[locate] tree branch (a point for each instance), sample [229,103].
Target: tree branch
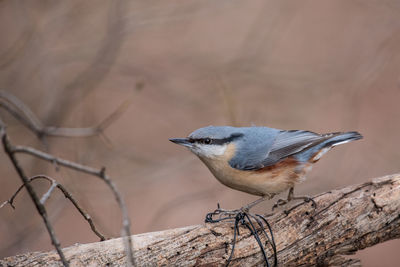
[345,221]
[101,173]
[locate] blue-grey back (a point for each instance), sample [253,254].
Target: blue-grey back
[255,144]
[265,147]
[259,147]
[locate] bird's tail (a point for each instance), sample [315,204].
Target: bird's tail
[340,138]
[331,140]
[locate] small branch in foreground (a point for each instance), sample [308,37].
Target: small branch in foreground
[40,208]
[55,184]
[96,172]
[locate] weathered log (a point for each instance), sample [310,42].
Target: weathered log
[345,221]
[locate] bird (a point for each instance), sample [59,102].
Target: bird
[261,161]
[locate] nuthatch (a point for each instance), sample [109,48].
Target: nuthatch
[260,160]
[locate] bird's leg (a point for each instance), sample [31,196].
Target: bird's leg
[254,203]
[291,197]
[304,198]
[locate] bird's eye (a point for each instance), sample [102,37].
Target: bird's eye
[207,141]
[191,140]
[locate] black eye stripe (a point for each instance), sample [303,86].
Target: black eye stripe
[215,141]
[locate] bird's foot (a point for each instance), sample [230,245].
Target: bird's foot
[283,202]
[308,199]
[222,214]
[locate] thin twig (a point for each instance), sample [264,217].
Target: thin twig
[11,199]
[40,208]
[67,195]
[55,160]
[126,222]
[48,193]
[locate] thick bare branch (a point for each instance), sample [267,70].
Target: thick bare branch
[345,221]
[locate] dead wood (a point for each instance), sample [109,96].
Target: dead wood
[345,221]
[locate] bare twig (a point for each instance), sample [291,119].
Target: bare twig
[61,162]
[48,193]
[55,184]
[126,223]
[40,208]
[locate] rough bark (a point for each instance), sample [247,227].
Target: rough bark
[345,221]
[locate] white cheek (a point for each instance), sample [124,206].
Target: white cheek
[209,151]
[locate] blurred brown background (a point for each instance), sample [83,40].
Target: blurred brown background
[315,65]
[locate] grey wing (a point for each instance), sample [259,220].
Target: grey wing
[285,144]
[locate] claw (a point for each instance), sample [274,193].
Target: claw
[278,203]
[222,215]
[310,199]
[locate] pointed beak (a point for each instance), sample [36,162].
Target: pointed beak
[181,141]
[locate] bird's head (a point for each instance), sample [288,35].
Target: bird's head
[211,141]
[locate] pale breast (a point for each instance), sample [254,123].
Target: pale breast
[269,180]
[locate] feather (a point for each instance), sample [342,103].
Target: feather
[287,143]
